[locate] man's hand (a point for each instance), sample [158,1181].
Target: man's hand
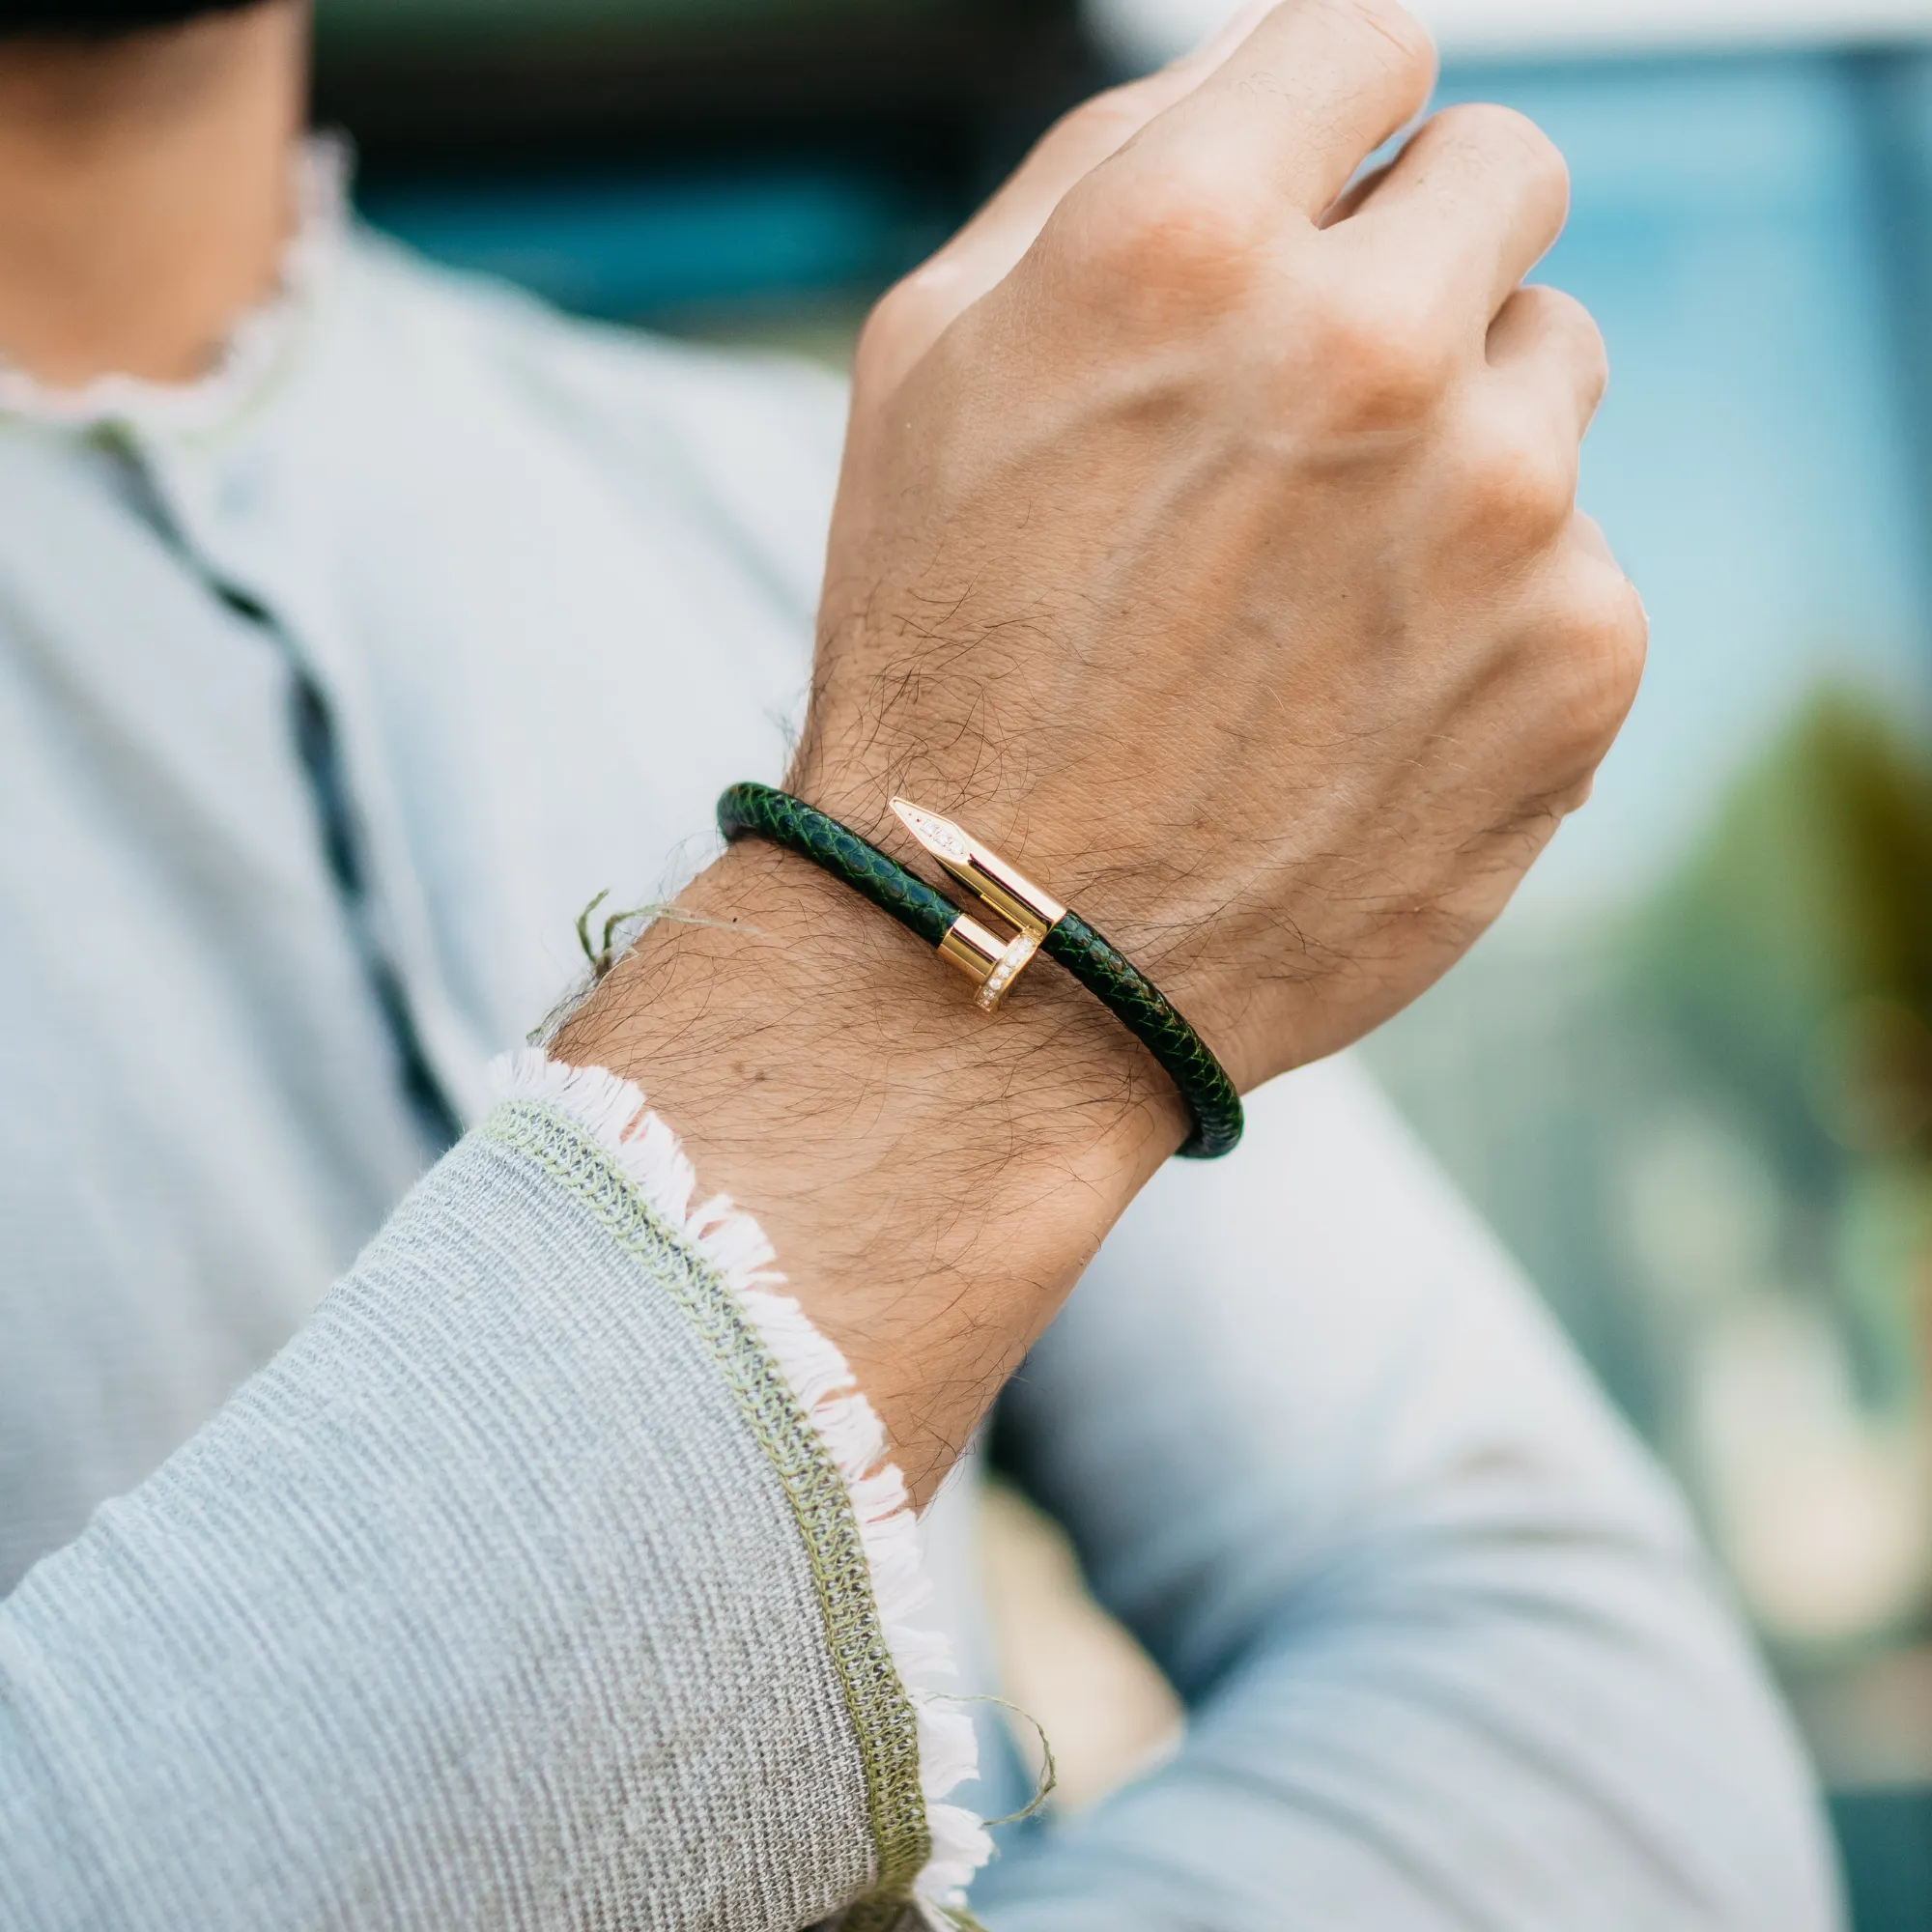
[1206,544]
[1220,563]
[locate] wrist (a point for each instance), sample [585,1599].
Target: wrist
[933,1178]
[1169,910]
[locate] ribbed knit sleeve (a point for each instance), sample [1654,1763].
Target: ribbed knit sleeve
[1451,1656]
[537,1582]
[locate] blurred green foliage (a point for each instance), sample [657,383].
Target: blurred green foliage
[1793,954]
[1790,961]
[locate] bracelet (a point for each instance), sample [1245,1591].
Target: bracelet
[1041,925]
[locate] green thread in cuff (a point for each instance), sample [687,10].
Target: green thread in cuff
[883,1719]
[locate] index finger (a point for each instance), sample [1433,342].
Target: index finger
[1313,91]
[984,250]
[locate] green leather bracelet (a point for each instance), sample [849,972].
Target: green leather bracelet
[1043,924]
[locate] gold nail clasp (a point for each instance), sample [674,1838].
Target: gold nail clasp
[991,963]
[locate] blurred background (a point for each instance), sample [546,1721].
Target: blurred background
[1689,1077]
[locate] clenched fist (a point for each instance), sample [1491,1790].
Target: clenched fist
[1207,539]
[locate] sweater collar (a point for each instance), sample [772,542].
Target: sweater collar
[256,347]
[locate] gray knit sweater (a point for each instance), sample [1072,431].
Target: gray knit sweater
[518,1590]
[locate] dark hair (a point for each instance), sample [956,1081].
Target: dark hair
[86,19]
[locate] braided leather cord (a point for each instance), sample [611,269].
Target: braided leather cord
[1106,972]
[1138,1003]
[799,828]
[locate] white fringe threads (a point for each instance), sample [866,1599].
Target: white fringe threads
[613,1111]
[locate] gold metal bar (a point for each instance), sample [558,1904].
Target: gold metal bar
[971,948]
[983,872]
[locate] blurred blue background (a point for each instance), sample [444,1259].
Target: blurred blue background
[1691,1074]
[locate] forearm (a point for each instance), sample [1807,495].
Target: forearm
[1058,601]
[934,1178]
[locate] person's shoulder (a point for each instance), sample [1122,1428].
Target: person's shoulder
[748,442]
[609,379]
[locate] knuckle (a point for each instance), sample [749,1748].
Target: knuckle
[1097,126]
[1551,343]
[1520,483]
[904,324]
[1383,364]
[1580,330]
[1109,116]
[1510,139]
[1174,229]
[1552,308]
[884,332]
[1626,640]
[1607,637]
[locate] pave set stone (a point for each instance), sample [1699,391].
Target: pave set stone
[1018,952]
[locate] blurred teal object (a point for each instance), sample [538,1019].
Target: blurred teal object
[619,245]
[1739,227]
[1886,1838]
